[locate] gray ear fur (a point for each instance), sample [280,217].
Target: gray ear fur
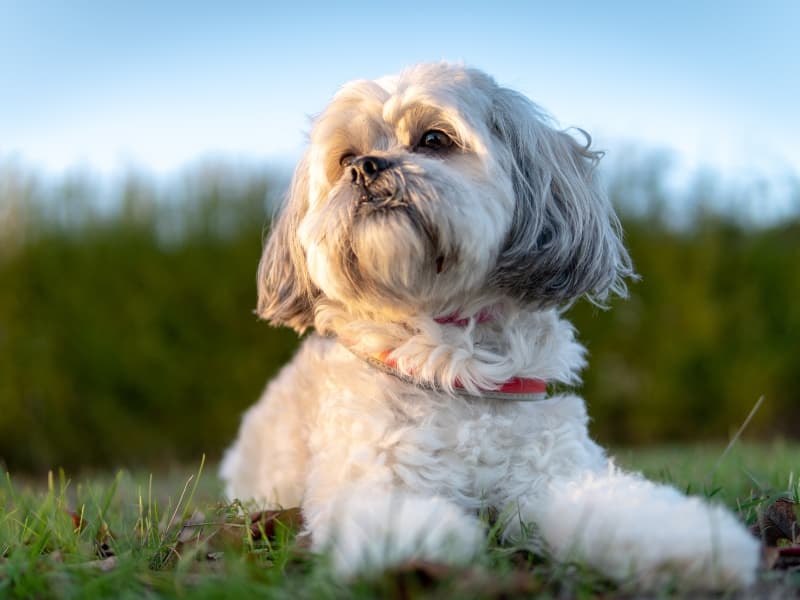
[285,293]
[565,239]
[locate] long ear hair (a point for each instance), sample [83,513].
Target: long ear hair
[565,240]
[285,293]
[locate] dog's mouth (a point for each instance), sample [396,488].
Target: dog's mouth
[368,205]
[377,198]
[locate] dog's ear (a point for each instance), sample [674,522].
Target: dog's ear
[286,294]
[565,239]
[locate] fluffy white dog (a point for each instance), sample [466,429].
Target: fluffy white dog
[435,227]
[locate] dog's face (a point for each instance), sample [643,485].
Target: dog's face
[425,192]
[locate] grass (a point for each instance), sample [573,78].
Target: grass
[171,536]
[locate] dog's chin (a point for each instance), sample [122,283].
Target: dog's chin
[394,253]
[385,263]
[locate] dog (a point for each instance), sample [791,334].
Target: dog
[434,232]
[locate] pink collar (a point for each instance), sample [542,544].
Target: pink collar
[483,316]
[518,389]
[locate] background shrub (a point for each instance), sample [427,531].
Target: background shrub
[127,334]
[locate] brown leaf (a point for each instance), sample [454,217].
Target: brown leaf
[265,522]
[78,522]
[788,558]
[782,559]
[777,524]
[103,539]
[408,578]
[426,572]
[210,539]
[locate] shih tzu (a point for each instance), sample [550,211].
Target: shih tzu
[434,231]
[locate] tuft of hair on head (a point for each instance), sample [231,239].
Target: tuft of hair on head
[565,240]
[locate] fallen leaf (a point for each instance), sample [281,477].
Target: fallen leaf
[777,524]
[264,523]
[78,522]
[424,571]
[407,579]
[103,539]
[788,558]
[209,539]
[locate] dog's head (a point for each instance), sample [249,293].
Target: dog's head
[427,191]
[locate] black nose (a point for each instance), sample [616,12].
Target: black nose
[365,169]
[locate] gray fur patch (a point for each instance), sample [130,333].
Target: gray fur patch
[565,240]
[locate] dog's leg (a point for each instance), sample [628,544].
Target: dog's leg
[634,530]
[362,516]
[367,530]
[564,493]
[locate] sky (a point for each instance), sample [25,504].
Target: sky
[107,85]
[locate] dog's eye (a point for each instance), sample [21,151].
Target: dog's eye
[435,140]
[347,159]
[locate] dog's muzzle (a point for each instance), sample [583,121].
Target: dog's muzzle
[364,171]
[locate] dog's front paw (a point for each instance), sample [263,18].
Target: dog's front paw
[651,535]
[371,533]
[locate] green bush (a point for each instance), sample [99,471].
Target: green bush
[129,337]
[127,334]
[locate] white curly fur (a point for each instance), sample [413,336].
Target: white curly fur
[508,222]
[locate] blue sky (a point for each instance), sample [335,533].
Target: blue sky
[111,84]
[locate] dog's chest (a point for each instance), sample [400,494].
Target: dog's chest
[372,426]
[468,449]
